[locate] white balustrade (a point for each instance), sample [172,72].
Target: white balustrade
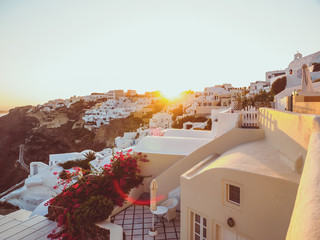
[250,117]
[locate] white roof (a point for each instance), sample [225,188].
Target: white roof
[65,156]
[187,133]
[170,145]
[259,158]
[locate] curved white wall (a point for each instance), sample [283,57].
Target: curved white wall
[305,220]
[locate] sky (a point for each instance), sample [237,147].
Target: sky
[58,49]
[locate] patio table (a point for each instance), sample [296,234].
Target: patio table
[160,212]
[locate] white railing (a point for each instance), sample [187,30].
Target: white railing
[250,117]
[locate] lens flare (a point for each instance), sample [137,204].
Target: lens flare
[134,200]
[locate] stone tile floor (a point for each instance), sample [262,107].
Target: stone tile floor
[136,221]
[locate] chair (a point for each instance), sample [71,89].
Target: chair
[171,204]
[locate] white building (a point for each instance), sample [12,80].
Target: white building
[161,120]
[215,91]
[294,75]
[271,76]
[115,94]
[128,140]
[294,72]
[256,87]
[103,113]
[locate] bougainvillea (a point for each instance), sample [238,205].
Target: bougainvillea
[93,197]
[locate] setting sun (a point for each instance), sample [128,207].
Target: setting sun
[171,94]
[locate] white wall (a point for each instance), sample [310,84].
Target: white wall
[227,121]
[305,220]
[36,167]
[61,157]
[264,212]
[289,133]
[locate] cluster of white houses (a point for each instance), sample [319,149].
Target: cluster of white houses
[110,95]
[103,113]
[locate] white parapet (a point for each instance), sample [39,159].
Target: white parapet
[305,219]
[116,231]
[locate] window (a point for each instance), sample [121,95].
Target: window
[35,169]
[233,194]
[199,226]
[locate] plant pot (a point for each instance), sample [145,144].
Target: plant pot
[153,232]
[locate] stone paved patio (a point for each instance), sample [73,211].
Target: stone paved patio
[137,220]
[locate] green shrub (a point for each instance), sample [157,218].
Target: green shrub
[96,209]
[179,123]
[84,164]
[177,112]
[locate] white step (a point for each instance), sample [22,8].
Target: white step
[20,215]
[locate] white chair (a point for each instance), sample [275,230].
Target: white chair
[171,204]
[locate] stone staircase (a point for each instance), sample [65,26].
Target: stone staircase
[19,225]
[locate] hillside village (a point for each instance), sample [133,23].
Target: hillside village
[242,166]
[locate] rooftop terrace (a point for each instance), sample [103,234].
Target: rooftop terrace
[137,220]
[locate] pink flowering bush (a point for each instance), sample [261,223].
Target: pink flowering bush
[94,196]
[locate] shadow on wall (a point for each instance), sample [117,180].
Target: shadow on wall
[289,133]
[266,120]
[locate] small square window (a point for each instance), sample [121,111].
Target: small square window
[233,194]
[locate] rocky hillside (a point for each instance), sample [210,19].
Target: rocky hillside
[42,134]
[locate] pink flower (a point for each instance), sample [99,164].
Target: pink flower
[55,173]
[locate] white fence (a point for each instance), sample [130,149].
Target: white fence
[250,117]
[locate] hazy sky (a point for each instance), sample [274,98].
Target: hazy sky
[57,49]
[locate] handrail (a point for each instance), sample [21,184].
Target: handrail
[12,188]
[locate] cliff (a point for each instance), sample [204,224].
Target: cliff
[59,131]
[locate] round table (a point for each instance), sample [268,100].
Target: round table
[160,212]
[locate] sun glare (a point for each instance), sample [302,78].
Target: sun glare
[171,95]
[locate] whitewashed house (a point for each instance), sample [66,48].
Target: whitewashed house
[161,120]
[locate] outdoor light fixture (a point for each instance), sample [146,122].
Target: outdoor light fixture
[230,222]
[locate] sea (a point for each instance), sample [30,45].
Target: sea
[2,114]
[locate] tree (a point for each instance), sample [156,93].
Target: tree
[279,85]
[262,99]
[177,112]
